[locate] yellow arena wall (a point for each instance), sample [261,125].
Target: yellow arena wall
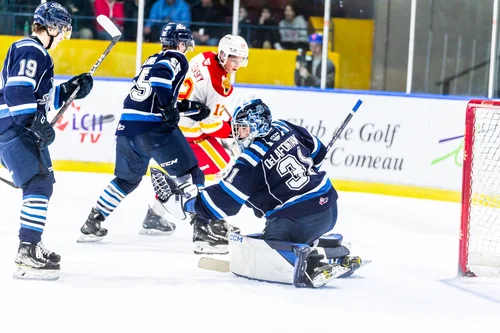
[270,67]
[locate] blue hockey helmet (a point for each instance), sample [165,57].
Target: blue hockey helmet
[173,34]
[251,120]
[53,15]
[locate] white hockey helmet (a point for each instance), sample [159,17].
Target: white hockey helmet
[233,45]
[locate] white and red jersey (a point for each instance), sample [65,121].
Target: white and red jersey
[207,82]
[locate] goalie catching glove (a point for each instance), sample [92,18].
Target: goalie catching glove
[174,194]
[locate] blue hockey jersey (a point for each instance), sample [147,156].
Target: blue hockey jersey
[157,84]
[277,175]
[26,84]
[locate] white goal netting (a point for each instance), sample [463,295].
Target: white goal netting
[483,234]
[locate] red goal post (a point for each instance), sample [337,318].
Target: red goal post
[479,249]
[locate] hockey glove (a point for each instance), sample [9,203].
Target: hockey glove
[187,105]
[170,116]
[84,81]
[42,130]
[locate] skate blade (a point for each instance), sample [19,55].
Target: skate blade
[24,273]
[89,239]
[206,248]
[350,272]
[322,279]
[155,232]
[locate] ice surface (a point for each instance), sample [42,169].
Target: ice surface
[136,283]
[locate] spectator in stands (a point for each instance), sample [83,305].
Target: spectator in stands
[293,30]
[208,12]
[244,31]
[113,9]
[266,36]
[82,28]
[130,27]
[308,69]
[164,11]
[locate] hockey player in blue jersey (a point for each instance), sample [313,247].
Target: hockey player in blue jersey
[148,129]
[278,176]
[26,95]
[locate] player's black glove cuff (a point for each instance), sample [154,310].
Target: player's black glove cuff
[84,81]
[41,127]
[187,105]
[170,116]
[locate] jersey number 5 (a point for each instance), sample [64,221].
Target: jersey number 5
[142,88]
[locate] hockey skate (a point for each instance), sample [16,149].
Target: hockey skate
[156,225]
[49,255]
[91,230]
[311,272]
[31,263]
[211,237]
[353,263]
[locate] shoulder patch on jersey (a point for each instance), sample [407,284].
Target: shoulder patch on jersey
[226,85]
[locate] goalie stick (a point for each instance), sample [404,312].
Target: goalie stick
[115,33]
[343,125]
[223,266]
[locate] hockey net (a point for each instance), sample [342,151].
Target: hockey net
[479,252]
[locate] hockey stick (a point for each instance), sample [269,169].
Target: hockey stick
[115,33]
[212,264]
[346,121]
[8,182]
[102,119]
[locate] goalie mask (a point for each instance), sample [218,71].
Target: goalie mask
[232,45]
[251,120]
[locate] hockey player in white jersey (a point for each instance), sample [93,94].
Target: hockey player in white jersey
[26,95]
[207,84]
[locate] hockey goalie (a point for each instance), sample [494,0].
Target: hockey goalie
[278,176]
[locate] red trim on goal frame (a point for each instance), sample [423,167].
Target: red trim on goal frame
[463,265]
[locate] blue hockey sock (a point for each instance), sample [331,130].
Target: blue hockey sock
[33,217]
[110,199]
